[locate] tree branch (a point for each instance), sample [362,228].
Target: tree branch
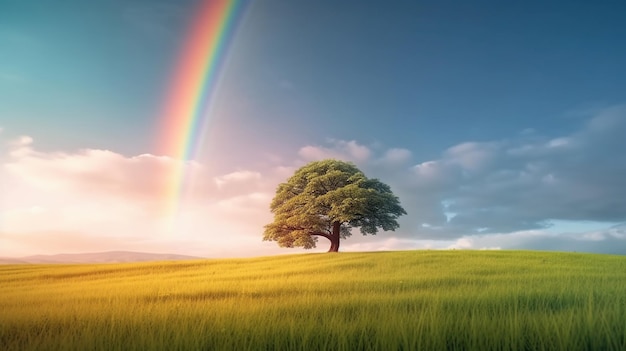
[327,236]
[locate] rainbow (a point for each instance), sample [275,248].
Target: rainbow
[188,104]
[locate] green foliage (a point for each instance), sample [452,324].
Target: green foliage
[412,300]
[326,192]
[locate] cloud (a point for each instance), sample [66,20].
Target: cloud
[492,194]
[396,155]
[237,178]
[522,183]
[338,149]
[517,192]
[92,173]
[115,202]
[472,156]
[611,240]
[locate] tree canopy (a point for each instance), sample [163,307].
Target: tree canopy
[328,198]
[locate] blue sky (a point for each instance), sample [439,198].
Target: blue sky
[497,124]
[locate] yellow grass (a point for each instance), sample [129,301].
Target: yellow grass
[429,300]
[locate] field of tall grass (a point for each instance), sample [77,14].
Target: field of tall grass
[411,300]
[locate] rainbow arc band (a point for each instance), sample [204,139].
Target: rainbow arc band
[187,110]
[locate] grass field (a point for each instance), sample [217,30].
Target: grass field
[411,300]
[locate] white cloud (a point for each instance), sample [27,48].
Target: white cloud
[91,173]
[239,176]
[313,153]
[104,197]
[431,173]
[471,156]
[479,195]
[559,142]
[397,155]
[519,184]
[339,149]
[608,240]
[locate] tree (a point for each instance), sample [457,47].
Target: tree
[328,198]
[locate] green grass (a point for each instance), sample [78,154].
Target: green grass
[412,300]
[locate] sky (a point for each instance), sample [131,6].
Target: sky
[499,125]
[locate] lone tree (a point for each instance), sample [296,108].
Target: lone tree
[328,198]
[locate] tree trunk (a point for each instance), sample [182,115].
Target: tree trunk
[335,236]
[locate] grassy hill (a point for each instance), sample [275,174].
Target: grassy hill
[411,300]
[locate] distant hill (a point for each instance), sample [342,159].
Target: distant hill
[98,257]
